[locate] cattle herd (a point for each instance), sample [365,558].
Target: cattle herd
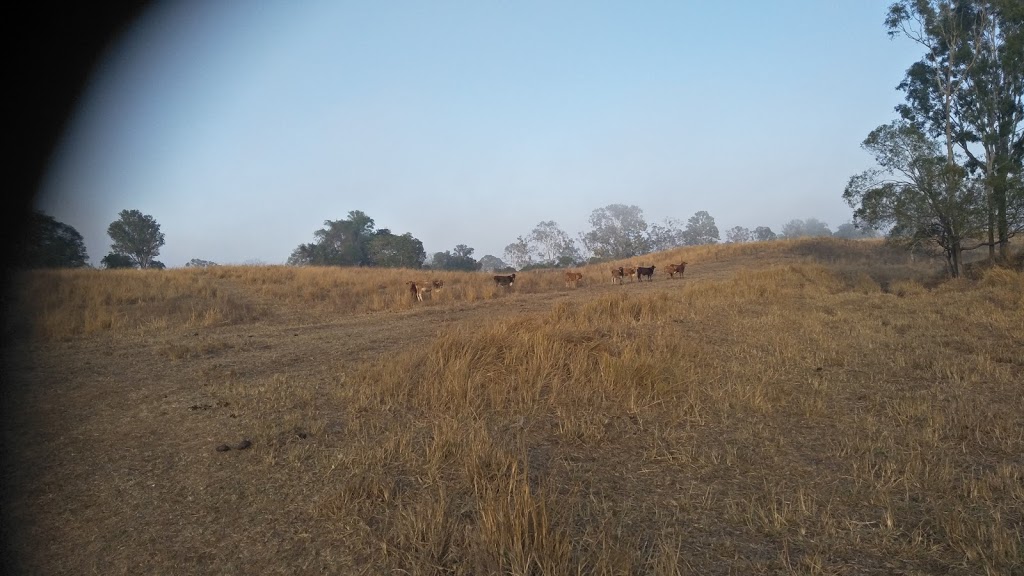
[422,290]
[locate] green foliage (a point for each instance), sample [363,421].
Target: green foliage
[460,259]
[113,261]
[917,193]
[136,236]
[354,242]
[968,91]
[51,244]
[701,229]
[618,231]
[199,263]
[390,251]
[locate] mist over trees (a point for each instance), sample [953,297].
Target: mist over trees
[764,234]
[950,169]
[849,231]
[701,229]
[491,263]
[355,242]
[617,231]
[738,234]
[666,236]
[48,243]
[136,238]
[546,246]
[797,228]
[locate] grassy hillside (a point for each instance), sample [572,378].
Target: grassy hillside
[814,407]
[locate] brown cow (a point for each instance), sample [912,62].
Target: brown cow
[617,274]
[674,269]
[505,280]
[642,271]
[437,284]
[629,271]
[420,291]
[572,279]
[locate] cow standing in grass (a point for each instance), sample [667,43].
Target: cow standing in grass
[572,279]
[642,271]
[629,271]
[501,280]
[674,269]
[420,291]
[617,274]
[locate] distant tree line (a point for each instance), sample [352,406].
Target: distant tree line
[618,231]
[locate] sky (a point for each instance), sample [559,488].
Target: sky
[242,126]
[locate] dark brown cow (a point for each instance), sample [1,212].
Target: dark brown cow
[642,271]
[505,280]
[617,274]
[674,269]
[572,279]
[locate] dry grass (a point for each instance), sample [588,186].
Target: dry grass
[800,410]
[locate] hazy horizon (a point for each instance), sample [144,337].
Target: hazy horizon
[241,130]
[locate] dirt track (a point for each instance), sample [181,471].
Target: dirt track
[116,433]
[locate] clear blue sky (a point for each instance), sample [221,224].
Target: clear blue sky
[241,126]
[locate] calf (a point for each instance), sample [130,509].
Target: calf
[505,280]
[629,271]
[674,269]
[572,278]
[642,271]
[617,274]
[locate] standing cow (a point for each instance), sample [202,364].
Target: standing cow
[674,269]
